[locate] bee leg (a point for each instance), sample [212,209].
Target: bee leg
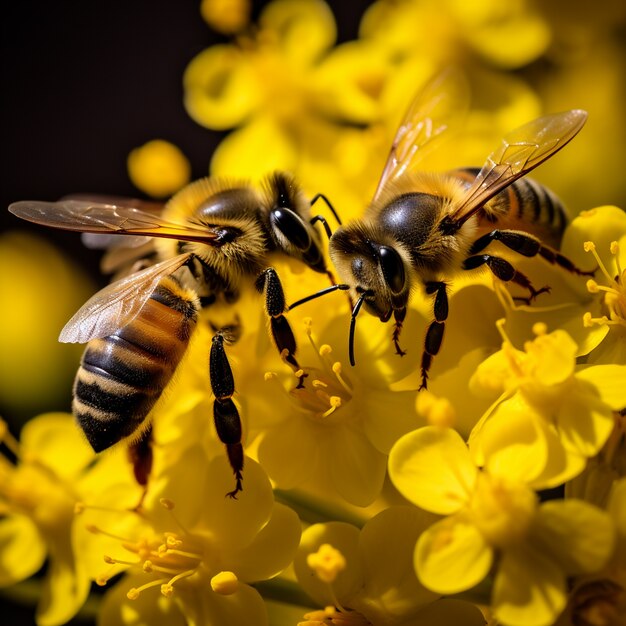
[225,413]
[321,196]
[269,284]
[527,245]
[399,315]
[434,334]
[506,272]
[140,455]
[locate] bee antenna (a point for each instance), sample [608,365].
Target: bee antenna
[321,292]
[355,312]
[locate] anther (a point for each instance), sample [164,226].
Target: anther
[327,562]
[225,583]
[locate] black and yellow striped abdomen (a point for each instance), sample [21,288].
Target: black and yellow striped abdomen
[122,376]
[524,205]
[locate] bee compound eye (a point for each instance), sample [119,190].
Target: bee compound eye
[291,227]
[393,268]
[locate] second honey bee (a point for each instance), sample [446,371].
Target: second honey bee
[425,227]
[210,240]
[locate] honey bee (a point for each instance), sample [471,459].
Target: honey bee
[210,240]
[425,227]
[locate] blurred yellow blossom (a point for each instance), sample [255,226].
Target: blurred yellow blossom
[226,16]
[158,168]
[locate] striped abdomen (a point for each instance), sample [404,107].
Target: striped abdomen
[122,376]
[524,205]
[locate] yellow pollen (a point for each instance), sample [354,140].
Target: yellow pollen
[614,248]
[327,562]
[588,320]
[338,371]
[269,376]
[540,328]
[335,403]
[172,542]
[308,325]
[167,590]
[147,567]
[299,373]
[589,246]
[325,350]
[133,592]
[225,583]
[319,383]
[592,286]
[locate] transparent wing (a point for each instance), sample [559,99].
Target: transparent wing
[520,152]
[438,106]
[110,219]
[117,304]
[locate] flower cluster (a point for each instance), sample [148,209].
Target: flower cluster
[498,495]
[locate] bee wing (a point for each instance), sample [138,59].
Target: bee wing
[439,105]
[110,219]
[520,152]
[118,303]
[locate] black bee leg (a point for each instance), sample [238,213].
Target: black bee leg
[527,245]
[398,315]
[434,334]
[225,413]
[506,272]
[269,284]
[321,196]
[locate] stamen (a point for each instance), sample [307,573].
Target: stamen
[319,383]
[188,555]
[111,561]
[589,246]
[615,252]
[95,530]
[169,505]
[335,403]
[133,592]
[338,371]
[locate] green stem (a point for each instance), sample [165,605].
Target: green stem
[314,510]
[285,591]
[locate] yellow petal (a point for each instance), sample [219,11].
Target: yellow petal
[253,151]
[452,556]
[271,551]
[529,588]
[578,535]
[512,442]
[306,28]
[22,550]
[387,544]
[220,88]
[234,523]
[432,468]
[609,381]
[56,441]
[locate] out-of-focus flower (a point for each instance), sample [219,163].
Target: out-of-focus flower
[494,520]
[367,576]
[35,273]
[38,495]
[158,168]
[226,16]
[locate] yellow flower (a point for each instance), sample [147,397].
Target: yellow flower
[199,552]
[334,433]
[38,495]
[551,397]
[373,580]
[494,521]
[158,168]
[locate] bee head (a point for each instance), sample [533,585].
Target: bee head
[375,269]
[290,229]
